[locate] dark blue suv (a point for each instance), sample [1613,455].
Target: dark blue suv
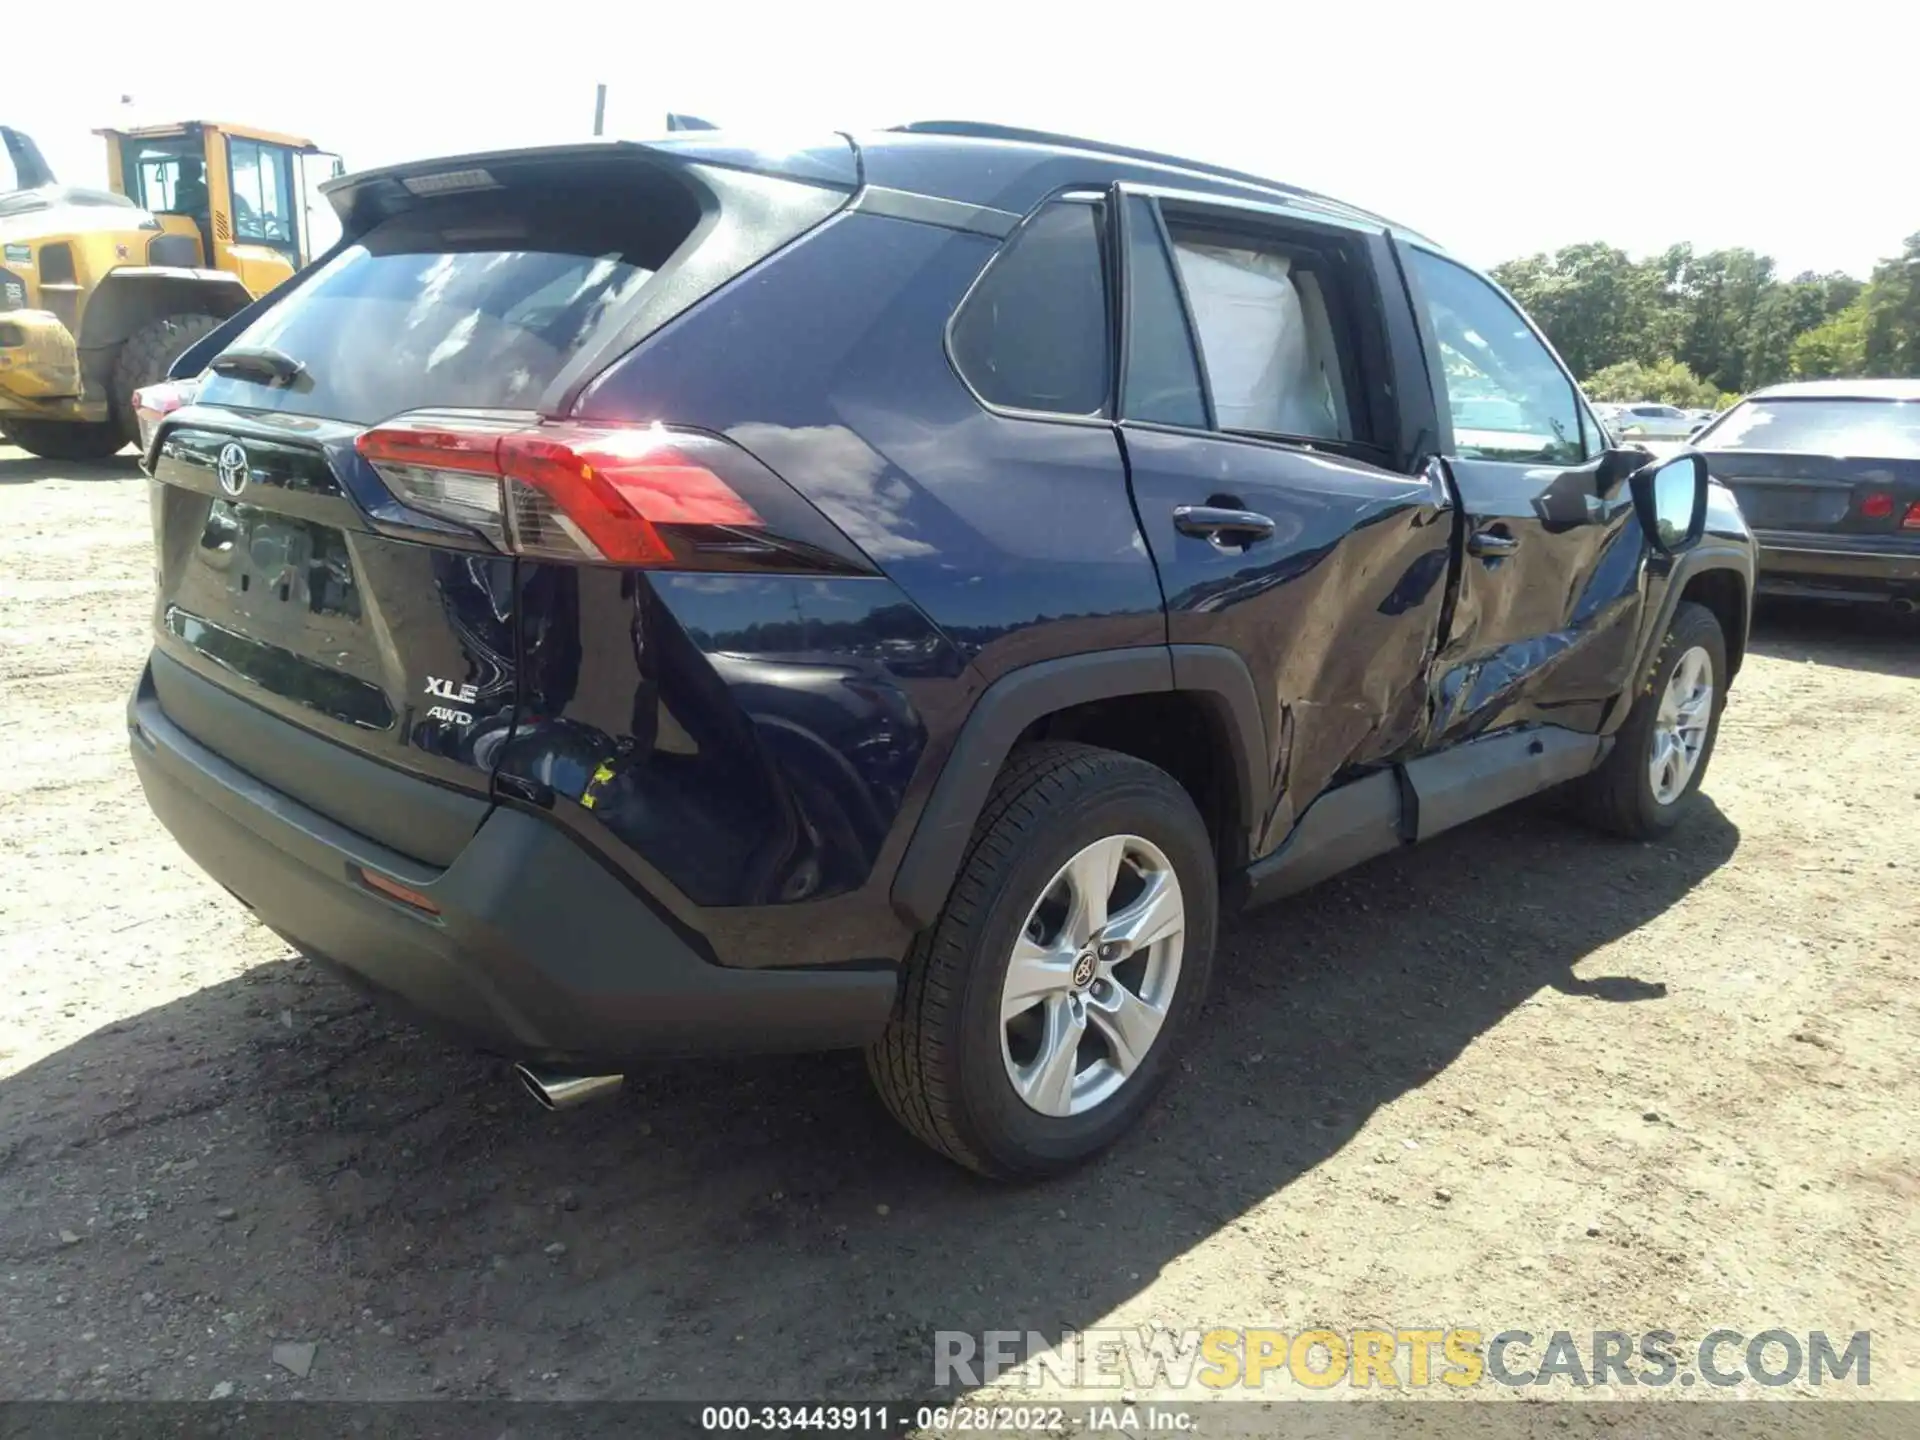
[890,592]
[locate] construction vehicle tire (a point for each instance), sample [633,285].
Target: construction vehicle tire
[146,357]
[64,439]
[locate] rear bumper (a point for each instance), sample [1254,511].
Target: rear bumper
[538,952]
[1820,565]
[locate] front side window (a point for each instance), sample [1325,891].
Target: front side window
[262,192]
[1598,440]
[166,175]
[1508,398]
[1033,333]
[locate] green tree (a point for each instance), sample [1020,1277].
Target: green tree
[1668,380]
[1891,339]
[1596,305]
[1833,349]
[1728,321]
[1720,296]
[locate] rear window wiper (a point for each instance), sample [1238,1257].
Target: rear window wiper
[262,363]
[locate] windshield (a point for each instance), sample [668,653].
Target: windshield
[1878,429]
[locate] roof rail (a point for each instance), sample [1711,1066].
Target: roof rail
[981,130]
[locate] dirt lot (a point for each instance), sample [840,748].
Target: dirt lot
[1524,1078]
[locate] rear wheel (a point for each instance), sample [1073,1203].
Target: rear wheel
[147,356]
[1041,1012]
[64,439]
[1660,754]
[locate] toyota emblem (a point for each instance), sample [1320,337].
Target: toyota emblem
[233,469]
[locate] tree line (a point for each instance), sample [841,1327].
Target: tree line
[1702,329]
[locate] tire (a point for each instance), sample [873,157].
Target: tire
[944,1065]
[65,439]
[146,357]
[1620,794]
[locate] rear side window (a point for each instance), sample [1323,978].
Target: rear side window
[1163,374]
[1033,333]
[1274,320]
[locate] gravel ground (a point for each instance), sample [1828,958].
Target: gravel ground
[1522,1078]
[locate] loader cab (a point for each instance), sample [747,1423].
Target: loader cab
[248,194]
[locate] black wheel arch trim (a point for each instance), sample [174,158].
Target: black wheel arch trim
[1687,567]
[1017,699]
[1220,678]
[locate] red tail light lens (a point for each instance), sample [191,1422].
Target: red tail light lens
[1877,506]
[153,403]
[608,489]
[1911,520]
[565,491]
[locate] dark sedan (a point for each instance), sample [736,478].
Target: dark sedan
[1828,475]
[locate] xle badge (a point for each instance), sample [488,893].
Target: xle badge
[447,690]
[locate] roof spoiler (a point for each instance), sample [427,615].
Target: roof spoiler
[366,194]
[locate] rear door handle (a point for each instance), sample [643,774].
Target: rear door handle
[1222,526]
[1491,542]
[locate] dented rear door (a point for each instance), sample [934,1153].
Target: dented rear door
[1332,594]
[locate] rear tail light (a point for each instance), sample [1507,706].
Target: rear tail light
[1877,506]
[629,495]
[153,403]
[1911,520]
[561,491]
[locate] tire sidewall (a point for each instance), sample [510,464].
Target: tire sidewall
[1018,1136]
[149,353]
[1692,627]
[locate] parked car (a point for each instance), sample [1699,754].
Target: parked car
[1828,474]
[689,597]
[1653,422]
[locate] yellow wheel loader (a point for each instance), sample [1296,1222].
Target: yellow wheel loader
[100,290]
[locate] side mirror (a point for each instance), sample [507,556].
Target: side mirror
[1671,498]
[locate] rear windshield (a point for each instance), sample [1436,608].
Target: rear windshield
[1876,429]
[476,301]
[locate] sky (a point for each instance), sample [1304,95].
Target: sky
[1497,128]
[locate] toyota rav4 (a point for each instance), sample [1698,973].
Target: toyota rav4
[894,592]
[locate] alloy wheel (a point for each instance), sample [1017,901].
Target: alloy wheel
[1092,976]
[1680,726]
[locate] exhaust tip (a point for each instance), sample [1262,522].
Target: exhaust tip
[557,1090]
[1904,606]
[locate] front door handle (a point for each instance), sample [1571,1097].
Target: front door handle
[1222,526]
[1491,542]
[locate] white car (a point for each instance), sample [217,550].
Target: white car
[1652,422]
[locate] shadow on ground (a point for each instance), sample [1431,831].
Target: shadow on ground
[273,1158]
[1826,632]
[19,468]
